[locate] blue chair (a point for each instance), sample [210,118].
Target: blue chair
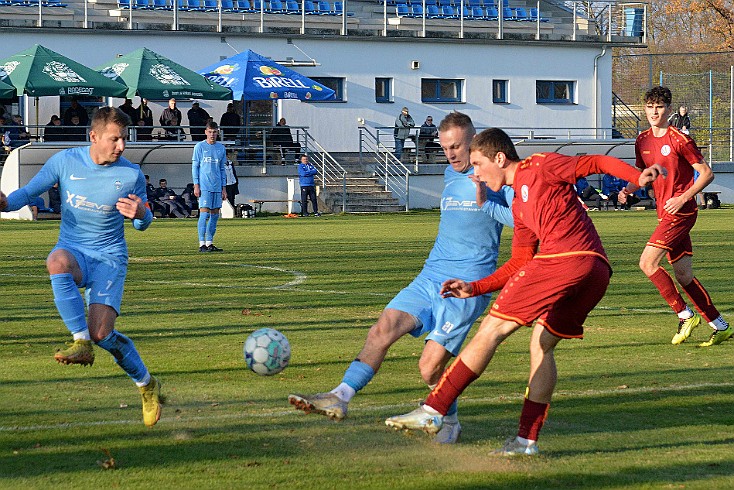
[123,4]
[325,7]
[310,8]
[508,13]
[492,14]
[401,10]
[211,5]
[162,5]
[276,7]
[195,6]
[475,3]
[54,3]
[143,5]
[416,11]
[521,14]
[339,9]
[244,6]
[477,13]
[228,6]
[432,12]
[292,7]
[449,12]
[442,3]
[258,4]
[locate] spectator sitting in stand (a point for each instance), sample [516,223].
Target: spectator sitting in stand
[173,132]
[76,110]
[189,198]
[76,130]
[588,194]
[681,120]
[19,136]
[174,204]
[53,130]
[426,136]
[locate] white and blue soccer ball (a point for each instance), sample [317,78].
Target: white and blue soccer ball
[267,351]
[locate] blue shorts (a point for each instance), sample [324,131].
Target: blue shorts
[447,321]
[103,276]
[210,200]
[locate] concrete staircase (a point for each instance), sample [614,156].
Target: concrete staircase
[365,193]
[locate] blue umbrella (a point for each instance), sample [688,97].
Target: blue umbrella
[254,77]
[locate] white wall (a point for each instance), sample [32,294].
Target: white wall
[360,60]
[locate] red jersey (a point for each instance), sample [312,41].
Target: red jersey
[546,209]
[677,153]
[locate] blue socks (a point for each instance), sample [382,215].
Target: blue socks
[211,227]
[358,374]
[202,224]
[69,302]
[125,354]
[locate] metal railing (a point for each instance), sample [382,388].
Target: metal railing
[624,119]
[388,168]
[331,174]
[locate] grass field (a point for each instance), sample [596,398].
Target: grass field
[630,411]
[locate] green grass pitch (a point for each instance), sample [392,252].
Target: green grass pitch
[630,409]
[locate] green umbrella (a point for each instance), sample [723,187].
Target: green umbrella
[38,71]
[150,75]
[6,91]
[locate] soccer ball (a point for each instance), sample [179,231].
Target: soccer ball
[267,351]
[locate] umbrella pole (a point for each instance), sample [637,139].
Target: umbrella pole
[37,136]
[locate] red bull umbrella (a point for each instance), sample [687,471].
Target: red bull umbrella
[254,77]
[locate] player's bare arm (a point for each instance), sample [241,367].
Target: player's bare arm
[456,288]
[197,190]
[224,194]
[481,190]
[131,206]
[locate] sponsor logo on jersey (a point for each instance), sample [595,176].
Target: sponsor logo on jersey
[80,202]
[74,177]
[118,185]
[449,203]
[665,150]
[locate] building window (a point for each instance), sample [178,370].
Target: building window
[499,91]
[383,90]
[549,92]
[441,90]
[334,83]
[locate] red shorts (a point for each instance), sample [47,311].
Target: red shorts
[673,234]
[558,292]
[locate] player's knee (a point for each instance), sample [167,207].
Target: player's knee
[430,372]
[684,278]
[59,262]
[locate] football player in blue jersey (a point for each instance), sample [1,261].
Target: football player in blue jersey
[210,184]
[99,189]
[467,245]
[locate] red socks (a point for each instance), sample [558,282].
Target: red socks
[532,419]
[701,300]
[662,280]
[455,380]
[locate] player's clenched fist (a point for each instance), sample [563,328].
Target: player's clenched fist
[131,206]
[650,174]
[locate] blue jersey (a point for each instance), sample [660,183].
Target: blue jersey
[207,166]
[468,238]
[89,219]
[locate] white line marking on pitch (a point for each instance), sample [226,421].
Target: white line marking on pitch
[368,409]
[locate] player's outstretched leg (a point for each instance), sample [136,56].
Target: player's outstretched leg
[321,403]
[451,429]
[719,335]
[151,394]
[422,418]
[70,305]
[334,404]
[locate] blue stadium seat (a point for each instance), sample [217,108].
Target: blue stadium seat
[475,3]
[441,3]
[211,5]
[339,9]
[258,4]
[492,13]
[416,11]
[432,12]
[195,6]
[508,13]
[401,10]
[521,14]
[54,3]
[244,6]
[325,8]
[477,13]
[276,7]
[292,7]
[310,8]
[449,12]
[162,5]
[228,6]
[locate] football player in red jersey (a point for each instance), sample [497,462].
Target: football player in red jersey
[675,197]
[557,273]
